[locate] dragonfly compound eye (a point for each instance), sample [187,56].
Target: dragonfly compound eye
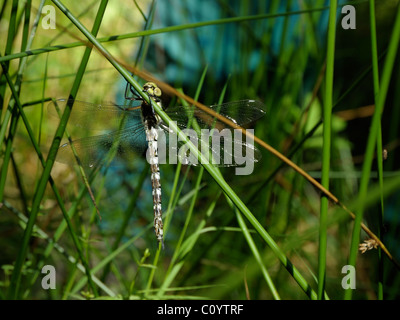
[157,92]
[152,89]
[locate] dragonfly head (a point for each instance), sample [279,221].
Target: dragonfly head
[152,89]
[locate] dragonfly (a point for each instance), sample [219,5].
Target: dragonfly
[127,132]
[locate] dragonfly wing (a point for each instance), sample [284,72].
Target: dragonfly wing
[240,112]
[95,117]
[225,152]
[106,149]
[221,150]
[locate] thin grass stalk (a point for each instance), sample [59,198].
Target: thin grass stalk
[261,69]
[372,138]
[12,104]
[103,263]
[141,263]
[25,31]
[60,249]
[45,75]
[124,73]
[58,232]
[257,255]
[144,42]
[127,216]
[43,99]
[178,253]
[167,88]
[326,147]
[241,206]
[375,74]
[8,57]
[338,216]
[16,276]
[197,188]
[35,144]
[175,195]
[191,240]
[106,261]
[20,185]
[12,109]
[170,274]
[9,141]
[394,124]
[2,10]
[15,279]
[63,29]
[171,205]
[12,27]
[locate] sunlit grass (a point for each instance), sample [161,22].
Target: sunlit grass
[269,235]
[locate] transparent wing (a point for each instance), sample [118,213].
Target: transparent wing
[125,137]
[240,112]
[96,117]
[230,151]
[106,149]
[221,150]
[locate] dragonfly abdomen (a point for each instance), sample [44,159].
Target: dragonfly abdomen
[151,137]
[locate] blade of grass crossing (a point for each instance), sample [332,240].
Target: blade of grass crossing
[127,216]
[59,231]
[326,147]
[27,11]
[12,105]
[242,207]
[175,194]
[11,111]
[7,51]
[52,241]
[16,276]
[197,187]
[196,153]
[375,73]
[372,138]
[15,104]
[29,227]
[158,31]
[256,255]
[175,266]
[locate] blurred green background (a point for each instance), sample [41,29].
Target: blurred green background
[277,54]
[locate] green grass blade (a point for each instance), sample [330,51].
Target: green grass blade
[379,152]
[257,256]
[214,172]
[372,138]
[16,276]
[326,147]
[12,26]
[8,57]
[43,235]
[127,216]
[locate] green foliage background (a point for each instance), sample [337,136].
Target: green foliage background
[269,248]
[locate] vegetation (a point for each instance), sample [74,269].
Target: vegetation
[328,179]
